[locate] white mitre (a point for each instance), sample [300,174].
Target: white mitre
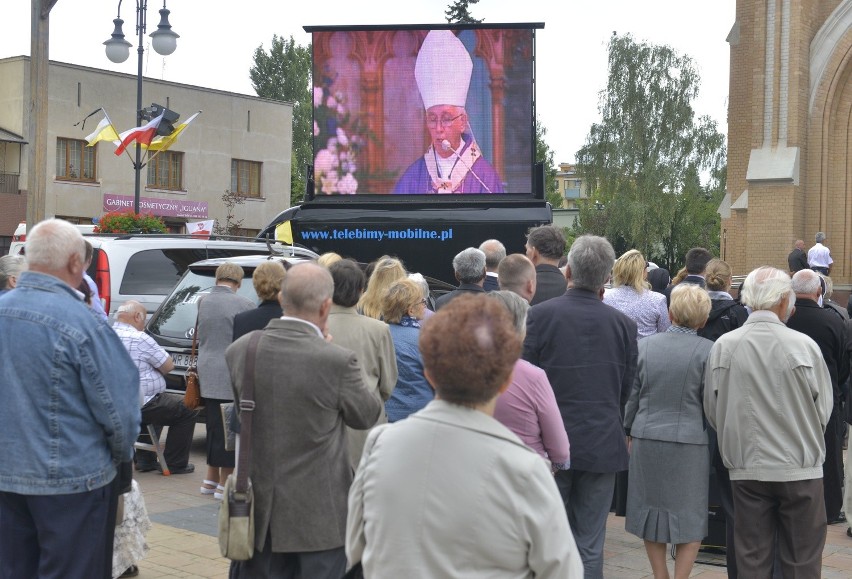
[443,70]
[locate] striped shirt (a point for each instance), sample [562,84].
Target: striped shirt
[148,355]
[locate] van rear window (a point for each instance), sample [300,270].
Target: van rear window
[156,271]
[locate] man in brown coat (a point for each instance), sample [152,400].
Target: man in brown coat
[306,391]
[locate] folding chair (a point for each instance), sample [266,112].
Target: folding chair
[154,446]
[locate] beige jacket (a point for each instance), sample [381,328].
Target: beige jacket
[767,392]
[451,492]
[371,341]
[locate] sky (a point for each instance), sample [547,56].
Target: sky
[218,38]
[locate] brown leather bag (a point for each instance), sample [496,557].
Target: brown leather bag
[192,396]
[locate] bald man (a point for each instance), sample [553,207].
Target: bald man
[159,407]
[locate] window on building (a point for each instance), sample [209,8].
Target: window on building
[165,171]
[74,160]
[566,184]
[245,178]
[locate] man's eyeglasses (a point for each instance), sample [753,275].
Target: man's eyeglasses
[446,120]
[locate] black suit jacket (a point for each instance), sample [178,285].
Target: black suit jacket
[797,260]
[589,351]
[827,329]
[256,319]
[549,283]
[491,284]
[464,288]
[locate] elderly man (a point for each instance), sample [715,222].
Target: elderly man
[819,256]
[797,260]
[589,353]
[11,267]
[158,407]
[469,267]
[828,330]
[545,246]
[494,252]
[308,391]
[517,274]
[369,338]
[70,415]
[454,162]
[768,395]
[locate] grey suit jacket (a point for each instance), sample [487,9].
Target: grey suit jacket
[371,341]
[667,400]
[306,390]
[215,331]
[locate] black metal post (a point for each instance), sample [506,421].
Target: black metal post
[141,10]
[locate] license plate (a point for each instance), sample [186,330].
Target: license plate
[183,360]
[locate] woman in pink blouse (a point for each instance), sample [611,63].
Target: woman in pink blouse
[528,407]
[631,295]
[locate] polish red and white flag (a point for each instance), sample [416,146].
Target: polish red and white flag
[143,135]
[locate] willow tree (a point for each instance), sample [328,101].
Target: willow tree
[656,173]
[284,74]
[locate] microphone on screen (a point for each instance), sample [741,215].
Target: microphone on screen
[445,144]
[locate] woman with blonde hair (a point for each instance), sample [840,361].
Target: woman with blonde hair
[664,419]
[388,270]
[404,309]
[726,313]
[631,296]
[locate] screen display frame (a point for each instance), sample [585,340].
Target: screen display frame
[383,127]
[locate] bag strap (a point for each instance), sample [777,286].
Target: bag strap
[194,340]
[246,412]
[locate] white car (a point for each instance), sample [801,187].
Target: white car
[20,236]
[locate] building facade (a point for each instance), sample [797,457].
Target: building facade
[239,143]
[571,186]
[789,132]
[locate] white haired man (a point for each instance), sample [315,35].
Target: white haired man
[768,395]
[469,267]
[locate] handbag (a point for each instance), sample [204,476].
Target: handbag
[236,513]
[192,396]
[230,424]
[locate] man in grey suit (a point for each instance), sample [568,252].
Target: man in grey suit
[369,338]
[307,391]
[588,350]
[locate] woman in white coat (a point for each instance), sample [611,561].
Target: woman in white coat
[451,492]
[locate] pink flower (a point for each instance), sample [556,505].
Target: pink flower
[317,96]
[348,185]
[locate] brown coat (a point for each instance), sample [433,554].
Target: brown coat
[306,390]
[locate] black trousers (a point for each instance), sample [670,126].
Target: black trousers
[330,564]
[58,536]
[167,409]
[832,469]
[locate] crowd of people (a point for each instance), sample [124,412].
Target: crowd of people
[486,433]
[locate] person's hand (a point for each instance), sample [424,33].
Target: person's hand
[327,335]
[629,444]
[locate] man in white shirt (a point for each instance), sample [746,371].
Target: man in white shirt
[819,256]
[158,407]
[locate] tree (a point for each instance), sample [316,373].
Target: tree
[232,225]
[544,154]
[457,13]
[656,173]
[284,74]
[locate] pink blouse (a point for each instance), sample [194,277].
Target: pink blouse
[528,408]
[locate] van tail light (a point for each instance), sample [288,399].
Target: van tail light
[102,279]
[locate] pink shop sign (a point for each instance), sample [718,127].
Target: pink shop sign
[159,207]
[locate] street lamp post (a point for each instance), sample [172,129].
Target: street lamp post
[164,41]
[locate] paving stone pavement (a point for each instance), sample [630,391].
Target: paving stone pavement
[183,539]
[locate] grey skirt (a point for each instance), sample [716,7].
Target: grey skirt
[667,491]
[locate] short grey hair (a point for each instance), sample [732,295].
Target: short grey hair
[469,265]
[304,289]
[517,307]
[421,281]
[11,266]
[591,259]
[52,243]
[765,287]
[805,282]
[820,237]
[494,252]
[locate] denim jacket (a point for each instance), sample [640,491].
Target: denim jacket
[69,392]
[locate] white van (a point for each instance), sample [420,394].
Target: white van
[20,236]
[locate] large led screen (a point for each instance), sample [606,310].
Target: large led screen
[414,111]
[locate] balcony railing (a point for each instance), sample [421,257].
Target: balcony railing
[572,193]
[9,183]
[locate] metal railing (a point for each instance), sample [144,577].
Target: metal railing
[9,183]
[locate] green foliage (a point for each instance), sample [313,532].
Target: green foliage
[656,173]
[458,13]
[284,74]
[544,154]
[232,226]
[129,222]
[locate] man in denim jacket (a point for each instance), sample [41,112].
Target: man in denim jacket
[69,406]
